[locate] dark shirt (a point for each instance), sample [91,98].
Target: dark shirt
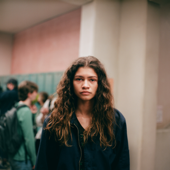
[52,155]
[8,100]
[81,139]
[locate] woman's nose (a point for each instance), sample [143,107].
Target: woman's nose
[85,84]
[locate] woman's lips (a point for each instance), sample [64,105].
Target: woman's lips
[85,92]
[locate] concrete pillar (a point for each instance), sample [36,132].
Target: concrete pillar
[6,42]
[151,87]
[124,35]
[137,78]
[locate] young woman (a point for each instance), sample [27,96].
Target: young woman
[84,131]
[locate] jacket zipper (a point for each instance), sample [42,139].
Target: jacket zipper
[79,145]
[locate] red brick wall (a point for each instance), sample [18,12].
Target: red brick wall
[47,47]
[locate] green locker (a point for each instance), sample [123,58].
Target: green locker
[46,81]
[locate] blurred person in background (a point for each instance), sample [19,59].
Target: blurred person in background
[47,107]
[9,97]
[7,101]
[1,89]
[42,97]
[84,131]
[34,107]
[25,158]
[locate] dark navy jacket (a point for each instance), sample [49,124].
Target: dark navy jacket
[53,156]
[8,100]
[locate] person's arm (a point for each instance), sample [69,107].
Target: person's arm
[41,162]
[45,112]
[27,130]
[38,120]
[41,116]
[52,103]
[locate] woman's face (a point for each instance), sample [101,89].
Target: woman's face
[85,83]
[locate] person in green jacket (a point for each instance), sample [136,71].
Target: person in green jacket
[25,158]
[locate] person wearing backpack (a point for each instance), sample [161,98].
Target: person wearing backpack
[25,157]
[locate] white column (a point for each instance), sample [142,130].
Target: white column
[87,31]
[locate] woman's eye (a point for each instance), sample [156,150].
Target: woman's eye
[78,79]
[92,80]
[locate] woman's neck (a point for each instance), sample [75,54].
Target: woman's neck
[84,108]
[84,113]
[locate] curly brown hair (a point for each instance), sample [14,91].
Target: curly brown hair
[103,118]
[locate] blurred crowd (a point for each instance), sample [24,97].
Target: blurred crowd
[39,107]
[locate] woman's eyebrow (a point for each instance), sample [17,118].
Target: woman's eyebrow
[78,76]
[88,77]
[93,77]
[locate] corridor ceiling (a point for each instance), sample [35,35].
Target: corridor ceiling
[18,15]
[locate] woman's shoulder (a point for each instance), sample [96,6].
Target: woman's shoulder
[46,120]
[120,125]
[120,119]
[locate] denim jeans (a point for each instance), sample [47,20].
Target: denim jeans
[20,165]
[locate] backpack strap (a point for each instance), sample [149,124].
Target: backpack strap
[20,106]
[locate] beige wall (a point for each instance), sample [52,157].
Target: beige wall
[6,42]
[135,85]
[150,87]
[137,78]
[162,149]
